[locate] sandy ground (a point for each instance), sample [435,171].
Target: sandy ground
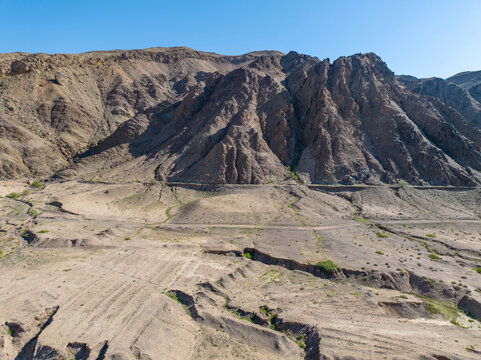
[149,271]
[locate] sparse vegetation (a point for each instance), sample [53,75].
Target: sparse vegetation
[379,252]
[478,269]
[127,238]
[430,235]
[271,275]
[471,348]
[43,231]
[445,308]
[434,257]
[431,308]
[381,235]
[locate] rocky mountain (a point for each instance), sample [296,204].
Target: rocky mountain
[184,115]
[469,80]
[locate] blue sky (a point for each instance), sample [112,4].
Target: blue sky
[422,38]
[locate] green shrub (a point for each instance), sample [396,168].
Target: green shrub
[379,252]
[32,212]
[327,266]
[301,344]
[381,235]
[248,255]
[127,238]
[36,184]
[478,269]
[13,195]
[25,234]
[431,235]
[174,297]
[43,231]
[291,174]
[434,257]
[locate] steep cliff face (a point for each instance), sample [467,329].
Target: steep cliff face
[182,115]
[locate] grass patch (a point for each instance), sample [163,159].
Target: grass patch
[361,220]
[430,235]
[167,213]
[127,238]
[43,231]
[327,266]
[431,308]
[434,257]
[379,252]
[478,269]
[381,235]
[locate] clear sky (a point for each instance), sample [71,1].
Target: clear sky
[422,38]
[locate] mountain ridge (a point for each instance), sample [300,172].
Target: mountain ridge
[183,115]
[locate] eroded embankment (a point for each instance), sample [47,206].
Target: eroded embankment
[264,323]
[404,281]
[34,349]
